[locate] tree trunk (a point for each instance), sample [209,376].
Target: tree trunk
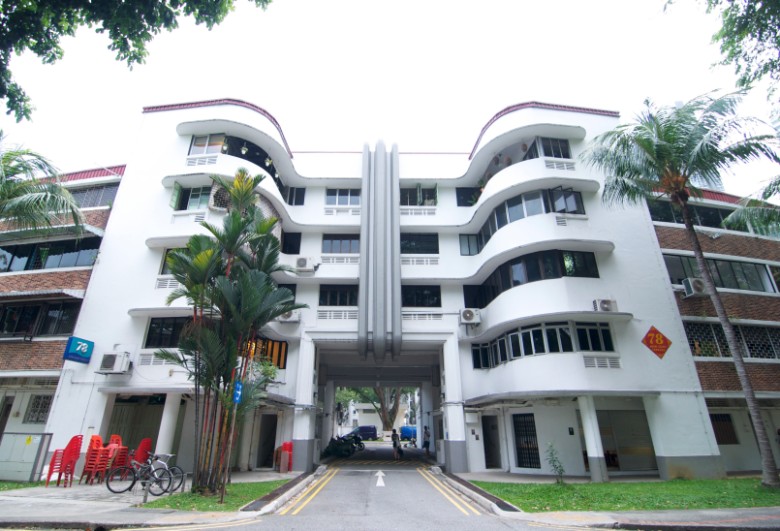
[769,477]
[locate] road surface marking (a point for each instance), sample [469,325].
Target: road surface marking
[314,490]
[429,478]
[379,481]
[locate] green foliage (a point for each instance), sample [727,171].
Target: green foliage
[14,485]
[636,496]
[37,26]
[236,496]
[749,38]
[554,460]
[233,298]
[26,200]
[385,400]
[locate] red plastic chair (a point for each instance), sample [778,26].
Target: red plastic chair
[115,439]
[92,466]
[63,462]
[144,449]
[120,458]
[55,466]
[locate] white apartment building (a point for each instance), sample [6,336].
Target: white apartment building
[494,281]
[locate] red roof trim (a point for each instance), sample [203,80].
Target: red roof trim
[109,171]
[538,105]
[223,101]
[720,196]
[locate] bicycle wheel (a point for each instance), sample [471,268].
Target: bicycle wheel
[159,481]
[177,477]
[121,479]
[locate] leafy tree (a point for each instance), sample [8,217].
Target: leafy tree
[749,38]
[386,401]
[232,298]
[27,201]
[130,25]
[762,217]
[669,152]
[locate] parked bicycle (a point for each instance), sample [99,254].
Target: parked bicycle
[177,473]
[124,478]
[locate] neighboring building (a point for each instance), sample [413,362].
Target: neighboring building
[494,281]
[43,279]
[746,271]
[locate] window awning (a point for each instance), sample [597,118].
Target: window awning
[58,230]
[43,294]
[161,311]
[175,241]
[188,180]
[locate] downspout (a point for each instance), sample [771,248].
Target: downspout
[365,256]
[380,243]
[394,301]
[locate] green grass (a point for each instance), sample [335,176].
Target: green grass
[236,496]
[12,485]
[639,496]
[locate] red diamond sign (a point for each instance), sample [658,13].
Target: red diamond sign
[657,342]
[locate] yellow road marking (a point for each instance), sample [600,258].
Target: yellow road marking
[425,473]
[311,492]
[186,527]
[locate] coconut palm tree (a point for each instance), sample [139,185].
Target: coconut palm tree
[26,201]
[762,217]
[671,151]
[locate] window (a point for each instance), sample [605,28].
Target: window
[338,295]
[725,273]
[529,204]
[190,198]
[421,296]
[543,338]
[165,269]
[294,196]
[206,144]
[341,243]
[38,409]
[55,318]
[292,287]
[291,242]
[530,268]
[594,337]
[419,196]
[705,216]
[95,196]
[557,148]
[466,196]
[723,427]
[342,196]
[709,340]
[49,255]
[469,244]
[526,443]
[164,332]
[419,243]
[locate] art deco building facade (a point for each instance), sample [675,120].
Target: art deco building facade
[525,311]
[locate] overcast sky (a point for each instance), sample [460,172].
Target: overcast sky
[425,74]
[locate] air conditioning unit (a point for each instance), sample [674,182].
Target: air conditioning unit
[470,316]
[114,363]
[694,287]
[293,316]
[304,265]
[604,305]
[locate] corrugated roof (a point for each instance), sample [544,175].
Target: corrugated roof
[720,196]
[110,171]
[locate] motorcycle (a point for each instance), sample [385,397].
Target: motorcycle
[356,440]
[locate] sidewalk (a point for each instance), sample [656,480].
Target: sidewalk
[94,507]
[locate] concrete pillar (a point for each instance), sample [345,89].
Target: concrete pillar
[168,424]
[590,430]
[455,456]
[244,449]
[304,415]
[329,406]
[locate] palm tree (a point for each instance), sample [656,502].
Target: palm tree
[670,151]
[225,275]
[762,217]
[26,201]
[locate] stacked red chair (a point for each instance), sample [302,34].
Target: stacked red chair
[63,462]
[143,450]
[115,439]
[91,462]
[120,458]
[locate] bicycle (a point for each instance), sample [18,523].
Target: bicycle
[177,473]
[124,478]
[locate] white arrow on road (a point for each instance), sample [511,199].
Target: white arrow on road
[379,481]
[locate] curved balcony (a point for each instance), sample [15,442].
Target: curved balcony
[525,236]
[560,299]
